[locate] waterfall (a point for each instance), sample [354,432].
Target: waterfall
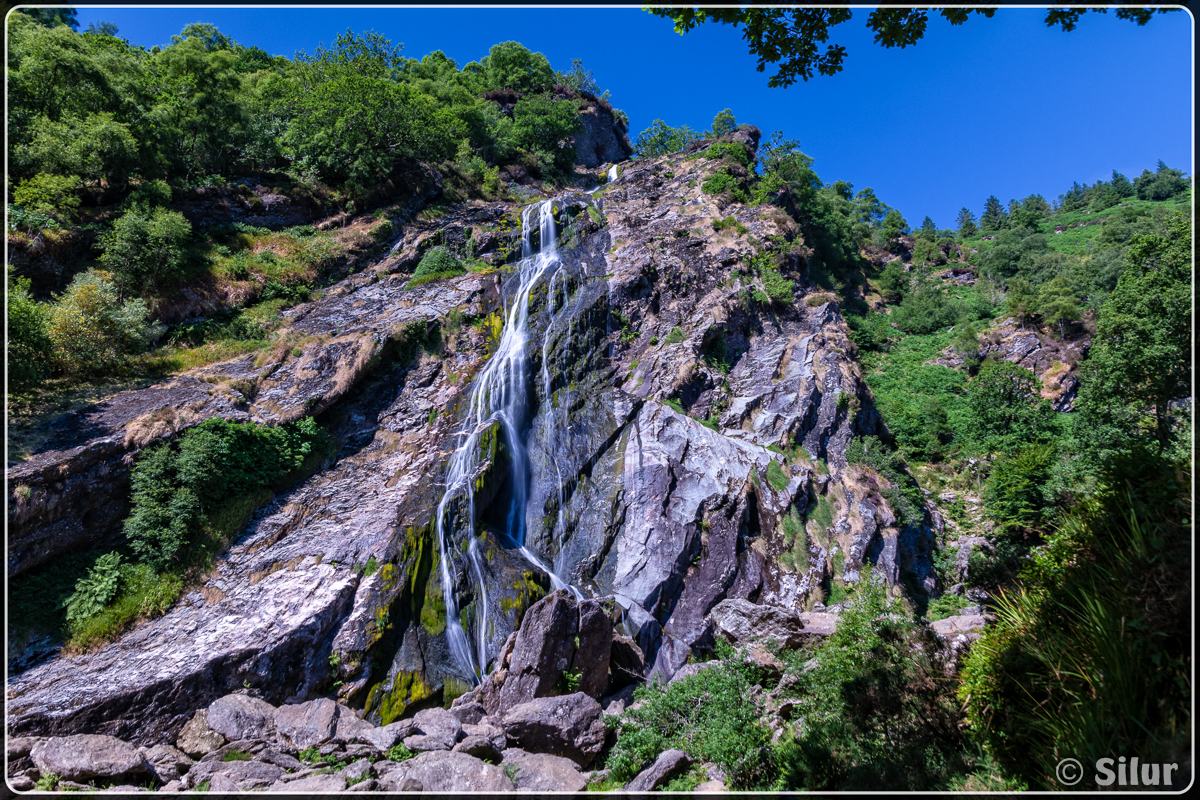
[498,396]
[613,173]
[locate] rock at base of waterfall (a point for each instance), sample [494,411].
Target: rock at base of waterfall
[668,764]
[567,726]
[445,771]
[306,724]
[240,716]
[197,738]
[84,757]
[542,772]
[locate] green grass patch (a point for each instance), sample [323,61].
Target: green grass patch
[675,336]
[775,477]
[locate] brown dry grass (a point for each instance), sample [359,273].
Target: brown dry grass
[160,422]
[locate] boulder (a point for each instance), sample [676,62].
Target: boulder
[244,774]
[350,727]
[444,771]
[488,731]
[420,743]
[618,701]
[591,659]
[84,757]
[668,764]
[469,713]
[222,784]
[482,747]
[386,737]
[567,726]
[542,772]
[313,784]
[197,738]
[240,716]
[438,724]
[688,670]
[959,624]
[306,724]
[543,650]
[269,755]
[739,621]
[369,785]
[167,762]
[358,771]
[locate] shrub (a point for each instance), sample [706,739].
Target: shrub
[1015,496]
[48,194]
[439,262]
[30,351]
[145,248]
[731,150]
[148,196]
[398,752]
[661,139]
[96,589]
[874,709]
[92,329]
[706,715]
[724,185]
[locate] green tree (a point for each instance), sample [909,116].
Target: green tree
[30,351]
[92,329]
[893,282]
[511,65]
[1057,303]
[994,217]
[792,37]
[1162,184]
[1020,299]
[1140,359]
[1121,185]
[52,17]
[724,123]
[581,79]
[661,139]
[966,223]
[146,248]
[547,127]
[1015,497]
[1007,410]
[893,226]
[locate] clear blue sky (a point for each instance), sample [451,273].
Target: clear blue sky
[1002,106]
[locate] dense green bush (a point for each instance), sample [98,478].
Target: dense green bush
[145,248]
[661,139]
[45,193]
[546,126]
[706,715]
[1006,408]
[175,485]
[92,329]
[30,351]
[1018,495]
[874,708]
[439,262]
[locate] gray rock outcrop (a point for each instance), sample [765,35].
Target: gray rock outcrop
[445,771]
[86,756]
[567,726]
[668,764]
[741,622]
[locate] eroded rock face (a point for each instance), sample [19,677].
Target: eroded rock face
[601,139]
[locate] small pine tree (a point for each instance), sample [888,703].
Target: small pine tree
[966,223]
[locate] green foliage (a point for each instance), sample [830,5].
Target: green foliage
[96,589]
[568,682]
[511,65]
[966,223]
[236,755]
[145,249]
[1007,410]
[674,337]
[661,139]
[398,752]
[874,709]
[1021,299]
[48,194]
[30,350]
[734,151]
[1139,361]
[143,594]
[1016,495]
[1090,655]
[47,782]
[92,330]
[546,127]
[927,308]
[1057,303]
[440,262]
[730,222]
[724,185]
[705,715]
[175,487]
[945,606]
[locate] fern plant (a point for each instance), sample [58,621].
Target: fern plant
[95,590]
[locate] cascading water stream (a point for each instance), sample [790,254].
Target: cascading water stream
[499,396]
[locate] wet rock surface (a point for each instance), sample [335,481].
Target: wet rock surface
[675,428]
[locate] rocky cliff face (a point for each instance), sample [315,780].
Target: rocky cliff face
[684,443]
